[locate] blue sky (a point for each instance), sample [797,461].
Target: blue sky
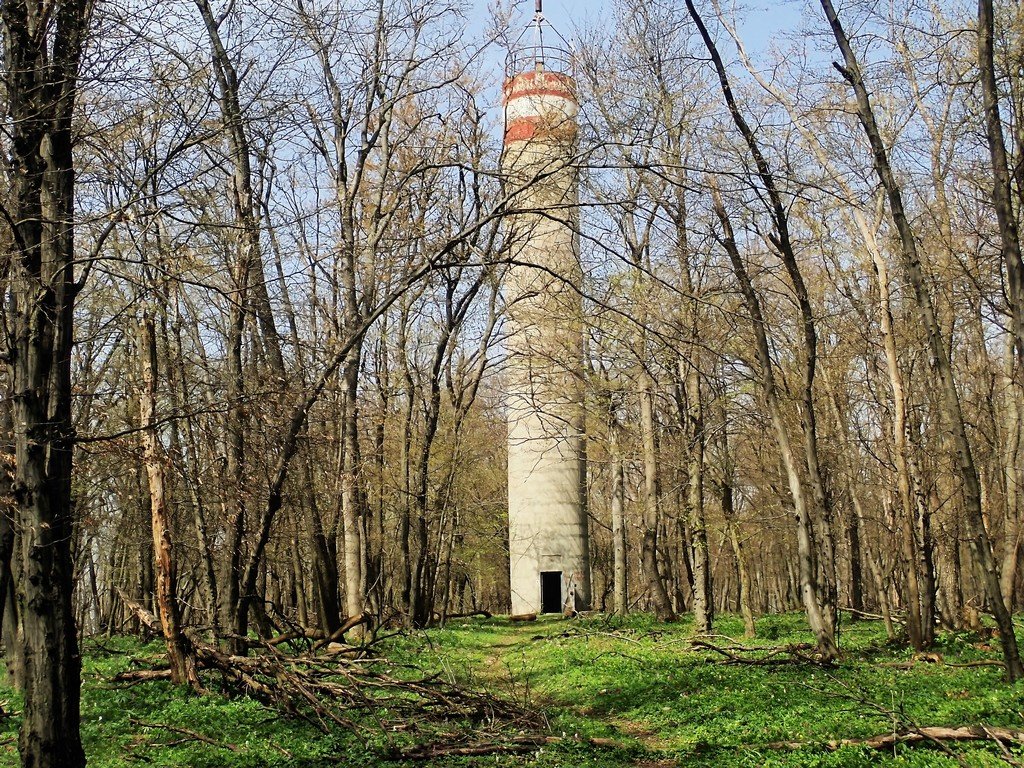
[763,23]
[764,20]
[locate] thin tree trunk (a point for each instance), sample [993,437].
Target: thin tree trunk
[782,243]
[1011,456]
[351,514]
[742,570]
[655,582]
[9,622]
[618,493]
[209,574]
[810,591]
[1001,180]
[179,649]
[298,580]
[229,581]
[703,595]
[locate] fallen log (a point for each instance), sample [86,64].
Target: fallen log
[915,736]
[469,615]
[523,617]
[303,633]
[147,617]
[936,659]
[350,623]
[134,676]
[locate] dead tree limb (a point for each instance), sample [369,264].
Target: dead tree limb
[916,736]
[327,691]
[194,735]
[796,653]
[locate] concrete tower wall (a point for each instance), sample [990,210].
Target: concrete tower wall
[546,462]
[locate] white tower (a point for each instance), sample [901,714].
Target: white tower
[548,540]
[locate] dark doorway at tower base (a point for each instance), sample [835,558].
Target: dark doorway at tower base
[551,592]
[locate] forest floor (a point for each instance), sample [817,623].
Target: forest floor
[614,694]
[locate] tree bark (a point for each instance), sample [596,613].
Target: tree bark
[1001,180]
[1011,471]
[703,595]
[42,60]
[351,512]
[655,582]
[618,493]
[732,528]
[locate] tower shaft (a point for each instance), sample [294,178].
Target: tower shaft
[548,541]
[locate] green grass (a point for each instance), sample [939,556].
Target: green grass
[634,682]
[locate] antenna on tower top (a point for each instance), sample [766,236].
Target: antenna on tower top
[539,47]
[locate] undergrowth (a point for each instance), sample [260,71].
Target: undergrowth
[635,686]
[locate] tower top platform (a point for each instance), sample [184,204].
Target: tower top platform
[539,48]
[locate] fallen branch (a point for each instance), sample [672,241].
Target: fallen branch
[326,690]
[302,633]
[936,658]
[894,615]
[194,735]
[136,676]
[470,615]
[147,617]
[795,653]
[915,736]
[350,623]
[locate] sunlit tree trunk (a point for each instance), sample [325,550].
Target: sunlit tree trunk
[655,581]
[179,648]
[810,590]
[618,494]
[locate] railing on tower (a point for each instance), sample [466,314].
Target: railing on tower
[539,58]
[540,48]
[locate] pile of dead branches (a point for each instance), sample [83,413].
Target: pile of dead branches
[330,688]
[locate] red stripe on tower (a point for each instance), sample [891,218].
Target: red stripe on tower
[538,83]
[540,105]
[529,128]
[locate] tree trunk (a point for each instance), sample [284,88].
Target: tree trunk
[655,582]
[618,493]
[742,571]
[179,649]
[703,595]
[41,69]
[810,592]
[9,620]
[1001,181]
[1011,460]
[351,514]
[780,240]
